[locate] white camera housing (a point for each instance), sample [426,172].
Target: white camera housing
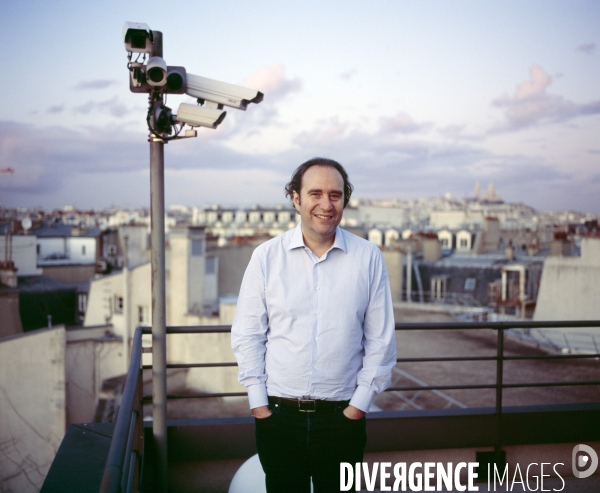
[156,71]
[199,116]
[221,92]
[138,37]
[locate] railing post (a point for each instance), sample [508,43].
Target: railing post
[499,383]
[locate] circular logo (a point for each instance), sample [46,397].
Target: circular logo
[584,464]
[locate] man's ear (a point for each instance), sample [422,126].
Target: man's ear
[296,198]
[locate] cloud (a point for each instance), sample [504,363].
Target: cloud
[96,167]
[276,86]
[42,157]
[532,105]
[401,123]
[272,82]
[111,106]
[86,85]
[348,74]
[56,109]
[587,48]
[326,134]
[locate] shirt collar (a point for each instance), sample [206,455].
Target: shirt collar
[297,240]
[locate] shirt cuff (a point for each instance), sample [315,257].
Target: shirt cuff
[257,395]
[362,398]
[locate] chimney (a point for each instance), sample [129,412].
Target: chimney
[509,251]
[187,247]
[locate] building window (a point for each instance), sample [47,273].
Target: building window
[197,248]
[444,242]
[470,284]
[143,318]
[210,265]
[438,288]
[118,304]
[463,243]
[112,249]
[81,302]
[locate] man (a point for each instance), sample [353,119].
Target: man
[313,335]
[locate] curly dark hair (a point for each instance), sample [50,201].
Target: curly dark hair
[295,183]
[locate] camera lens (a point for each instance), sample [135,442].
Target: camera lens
[138,39]
[155,74]
[174,81]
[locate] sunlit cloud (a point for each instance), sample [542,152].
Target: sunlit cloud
[401,123]
[276,86]
[272,82]
[531,104]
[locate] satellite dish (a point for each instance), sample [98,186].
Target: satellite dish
[26,223]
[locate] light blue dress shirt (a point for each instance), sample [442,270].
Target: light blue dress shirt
[315,328]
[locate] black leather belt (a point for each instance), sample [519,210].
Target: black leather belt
[309,405]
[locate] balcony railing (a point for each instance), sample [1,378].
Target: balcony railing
[123,466]
[122,472]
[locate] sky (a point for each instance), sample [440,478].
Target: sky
[416,98]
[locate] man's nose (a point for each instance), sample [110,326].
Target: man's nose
[325,203]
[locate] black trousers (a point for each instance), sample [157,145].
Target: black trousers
[294,446]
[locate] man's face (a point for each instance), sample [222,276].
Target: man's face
[320,202]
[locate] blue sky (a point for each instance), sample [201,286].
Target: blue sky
[415,98]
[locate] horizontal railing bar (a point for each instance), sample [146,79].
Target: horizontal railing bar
[493,358]
[405,360]
[447,358]
[148,398]
[192,329]
[554,356]
[193,365]
[525,324]
[440,387]
[550,384]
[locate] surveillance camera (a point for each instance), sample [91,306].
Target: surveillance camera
[161,119]
[199,116]
[139,80]
[176,80]
[138,37]
[221,92]
[156,71]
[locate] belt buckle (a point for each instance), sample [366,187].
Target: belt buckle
[307,405]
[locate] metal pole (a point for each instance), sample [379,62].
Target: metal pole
[159,333]
[409,275]
[499,383]
[126,303]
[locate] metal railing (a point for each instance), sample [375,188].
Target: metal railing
[122,472]
[123,465]
[500,327]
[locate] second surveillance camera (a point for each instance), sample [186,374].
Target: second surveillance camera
[138,37]
[221,92]
[199,116]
